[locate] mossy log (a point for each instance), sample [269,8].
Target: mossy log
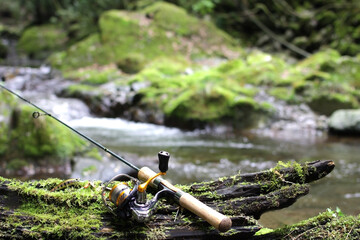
[29,210]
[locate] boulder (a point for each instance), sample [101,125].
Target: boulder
[345,121]
[39,42]
[133,39]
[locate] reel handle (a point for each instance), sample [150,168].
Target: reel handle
[185,200]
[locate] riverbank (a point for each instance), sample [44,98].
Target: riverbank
[191,74]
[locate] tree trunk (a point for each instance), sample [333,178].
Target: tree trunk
[30,210]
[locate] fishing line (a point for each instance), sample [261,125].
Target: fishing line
[133,202]
[45,113]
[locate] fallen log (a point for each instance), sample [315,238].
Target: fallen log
[29,210]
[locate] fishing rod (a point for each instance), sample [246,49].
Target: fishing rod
[132,202]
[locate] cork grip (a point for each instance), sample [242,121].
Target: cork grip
[216,219]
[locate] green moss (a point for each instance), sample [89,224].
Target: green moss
[72,213]
[300,170]
[133,39]
[328,103]
[94,75]
[328,225]
[172,18]
[132,63]
[79,89]
[84,53]
[39,41]
[37,138]
[205,95]
[71,196]
[283,93]
[168,66]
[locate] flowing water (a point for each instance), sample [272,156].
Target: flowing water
[205,155]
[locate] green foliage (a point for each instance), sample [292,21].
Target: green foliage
[309,25]
[336,213]
[204,7]
[16,164]
[37,138]
[77,18]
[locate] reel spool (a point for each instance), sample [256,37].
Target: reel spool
[127,202]
[119,195]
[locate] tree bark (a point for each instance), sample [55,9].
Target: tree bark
[30,210]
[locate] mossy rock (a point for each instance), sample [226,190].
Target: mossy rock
[326,104]
[134,39]
[88,93]
[209,96]
[169,17]
[93,96]
[132,63]
[39,41]
[345,121]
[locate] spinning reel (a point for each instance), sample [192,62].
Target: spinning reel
[127,202]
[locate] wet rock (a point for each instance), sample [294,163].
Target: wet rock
[326,104]
[345,121]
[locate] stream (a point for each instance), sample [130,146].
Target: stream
[203,154]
